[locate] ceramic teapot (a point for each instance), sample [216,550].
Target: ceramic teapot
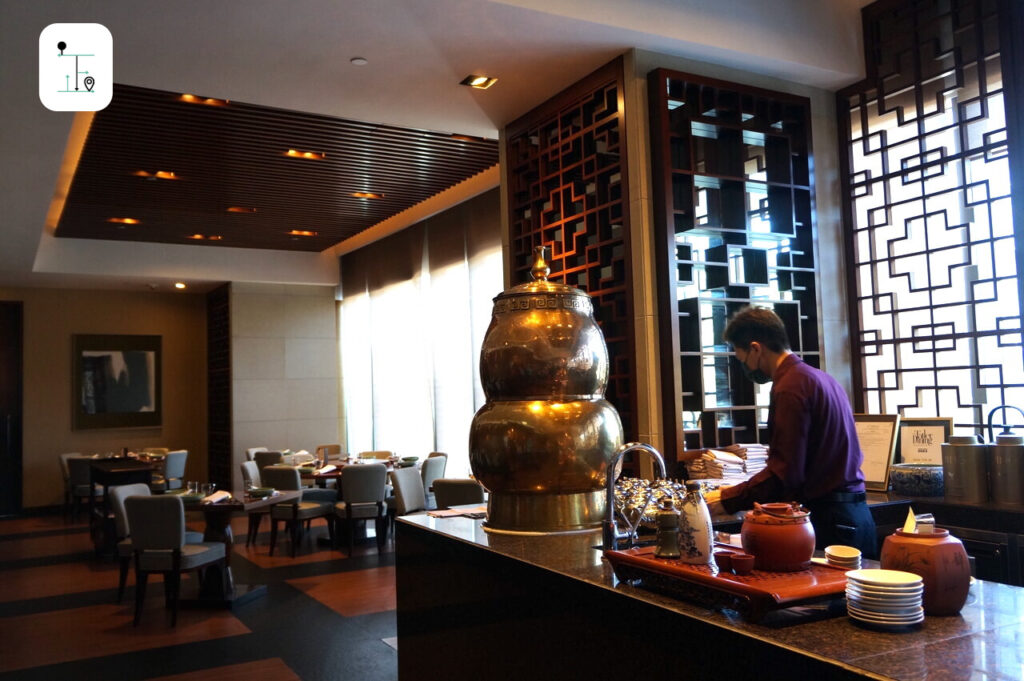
[780,536]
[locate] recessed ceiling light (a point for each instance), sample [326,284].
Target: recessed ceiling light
[124,221]
[359,61]
[367,195]
[158,175]
[295,153]
[241,209]
[179,284]
[208,101]
[302,232]
[203,237]
[479,82]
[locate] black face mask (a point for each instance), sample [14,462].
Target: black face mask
[755,375]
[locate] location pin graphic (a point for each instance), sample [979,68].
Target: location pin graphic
[89,82]
[60,46]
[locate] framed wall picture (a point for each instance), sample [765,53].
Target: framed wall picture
[920,440]
[877,434]
[115,381]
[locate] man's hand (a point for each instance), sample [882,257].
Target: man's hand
[714,501]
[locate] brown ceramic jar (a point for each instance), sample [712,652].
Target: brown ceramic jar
[940,559]
[780,536]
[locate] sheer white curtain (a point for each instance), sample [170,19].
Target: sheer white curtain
[413,318]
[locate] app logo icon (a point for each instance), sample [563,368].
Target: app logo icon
[76,67]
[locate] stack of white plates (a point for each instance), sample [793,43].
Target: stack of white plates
[843,556]
[884,598]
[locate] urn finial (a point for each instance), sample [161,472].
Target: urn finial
[540,270]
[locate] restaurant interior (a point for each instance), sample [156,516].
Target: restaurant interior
[295,219]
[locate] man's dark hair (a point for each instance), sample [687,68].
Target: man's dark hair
[756,324]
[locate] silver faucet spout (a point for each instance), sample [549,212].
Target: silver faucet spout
[609,530]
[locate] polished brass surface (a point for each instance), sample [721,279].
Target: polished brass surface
[547,512]
[542,442]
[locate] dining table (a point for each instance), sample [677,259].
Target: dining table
[219,588]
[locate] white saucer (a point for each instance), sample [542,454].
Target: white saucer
[892,579]
[898,612]
[883,602]
[883,619]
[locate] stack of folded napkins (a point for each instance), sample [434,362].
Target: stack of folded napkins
[754,456]
[723,465]
[217,497]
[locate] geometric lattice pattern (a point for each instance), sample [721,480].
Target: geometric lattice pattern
[937,325]
[567,191]
[733,208]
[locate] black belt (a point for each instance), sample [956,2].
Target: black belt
[840,498]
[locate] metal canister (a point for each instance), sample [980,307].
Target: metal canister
[1007,470]
[965,460]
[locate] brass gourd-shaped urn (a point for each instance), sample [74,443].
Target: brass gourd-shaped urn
[542,442]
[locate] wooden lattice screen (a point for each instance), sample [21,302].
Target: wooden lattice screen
[567,190]
[934,253]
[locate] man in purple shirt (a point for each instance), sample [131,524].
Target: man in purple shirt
[813,456]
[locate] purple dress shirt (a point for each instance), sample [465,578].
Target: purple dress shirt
[813,446]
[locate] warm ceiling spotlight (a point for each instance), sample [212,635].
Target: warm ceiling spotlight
[203,237]
[197,237]
[367,195]
[241,209]
[208,101]
[302,232]
[358,61]
[124,221]
[179,284]
[466,138]
[479,82]
[158,175]
[214,237]
[295,153]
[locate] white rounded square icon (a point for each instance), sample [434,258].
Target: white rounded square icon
[76,67]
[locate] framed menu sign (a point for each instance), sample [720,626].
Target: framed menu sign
[877,435]
[920,440]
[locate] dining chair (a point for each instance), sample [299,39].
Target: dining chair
[325,452]
[295,513]
[174,471]
[251,474]
[158,545]
[118,494]
[409,496]
[251,452]
[376,454]
[362,497]
[264,459]
[450,492]
[66,476]
[432,469]
[80,482]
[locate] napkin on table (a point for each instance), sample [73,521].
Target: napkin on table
[217,497]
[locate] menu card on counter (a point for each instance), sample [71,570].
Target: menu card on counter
[877,436]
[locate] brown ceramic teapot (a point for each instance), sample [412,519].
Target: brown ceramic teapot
[780,536]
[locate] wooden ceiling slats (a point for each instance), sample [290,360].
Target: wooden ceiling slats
[234,156]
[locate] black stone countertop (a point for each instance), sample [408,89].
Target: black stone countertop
[985,641]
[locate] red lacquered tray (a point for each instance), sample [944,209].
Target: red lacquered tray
[752,595]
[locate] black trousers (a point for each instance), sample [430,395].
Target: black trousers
[844,522]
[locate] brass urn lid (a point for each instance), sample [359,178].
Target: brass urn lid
[540,285]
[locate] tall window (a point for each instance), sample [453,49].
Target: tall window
[935,262]
[414,312]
